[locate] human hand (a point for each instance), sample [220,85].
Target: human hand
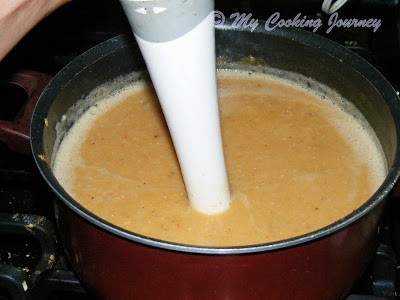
[17,17]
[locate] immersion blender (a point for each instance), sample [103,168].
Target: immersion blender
[176,38]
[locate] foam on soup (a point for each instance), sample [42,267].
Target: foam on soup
[297,160]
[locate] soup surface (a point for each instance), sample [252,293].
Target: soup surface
[296,161]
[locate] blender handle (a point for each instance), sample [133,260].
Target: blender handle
[15,134]
[163,21]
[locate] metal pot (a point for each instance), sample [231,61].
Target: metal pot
[117,264]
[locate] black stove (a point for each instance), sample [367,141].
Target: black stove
[32,262]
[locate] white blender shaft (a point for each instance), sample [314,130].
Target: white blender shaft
[176,38]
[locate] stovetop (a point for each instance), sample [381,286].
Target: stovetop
[30,252]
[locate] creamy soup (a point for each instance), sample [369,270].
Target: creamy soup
[296,160]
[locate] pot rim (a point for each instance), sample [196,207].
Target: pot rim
[302,37]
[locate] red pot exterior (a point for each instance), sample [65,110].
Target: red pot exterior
[116,268]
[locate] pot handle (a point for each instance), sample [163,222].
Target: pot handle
[15,134]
